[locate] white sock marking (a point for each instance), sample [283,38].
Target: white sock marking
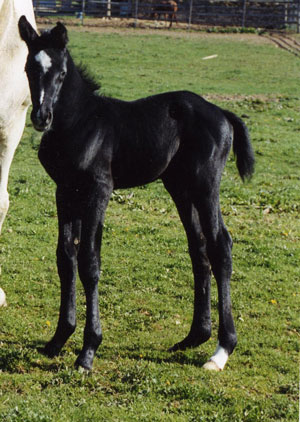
[44,60]
[220,357]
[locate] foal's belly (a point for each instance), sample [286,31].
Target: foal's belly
[143,163]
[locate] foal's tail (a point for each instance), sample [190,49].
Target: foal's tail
[242,147]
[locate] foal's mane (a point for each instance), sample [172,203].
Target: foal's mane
[88,79]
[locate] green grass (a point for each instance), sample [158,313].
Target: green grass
[146,285]
[131,66]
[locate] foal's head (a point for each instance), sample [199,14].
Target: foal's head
[46,68]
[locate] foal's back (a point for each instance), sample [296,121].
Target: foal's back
[150,133]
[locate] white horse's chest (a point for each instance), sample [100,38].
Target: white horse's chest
[14,89]
[12,75]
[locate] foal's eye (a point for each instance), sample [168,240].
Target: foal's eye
[63,73]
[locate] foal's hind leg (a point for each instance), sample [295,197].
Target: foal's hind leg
[201,325]
[219,246]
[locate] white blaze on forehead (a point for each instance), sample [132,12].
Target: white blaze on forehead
[42,96]
[44,60]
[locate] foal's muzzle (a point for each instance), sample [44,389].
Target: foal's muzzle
[41,119]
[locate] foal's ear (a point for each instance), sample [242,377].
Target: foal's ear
[27,32]
[60,35]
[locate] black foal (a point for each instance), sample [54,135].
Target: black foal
[92,145]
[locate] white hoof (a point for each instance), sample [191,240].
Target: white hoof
[2,298]
[218,360]
[211,366]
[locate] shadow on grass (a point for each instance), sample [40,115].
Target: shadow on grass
[172,357]
[189,357]
[17,357]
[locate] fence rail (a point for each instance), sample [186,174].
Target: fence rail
[244,13]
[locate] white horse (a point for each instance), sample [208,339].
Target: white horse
[14,89]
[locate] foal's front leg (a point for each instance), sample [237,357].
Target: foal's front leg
[68,239]
[89,270]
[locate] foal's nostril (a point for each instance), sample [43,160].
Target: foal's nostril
[41,119]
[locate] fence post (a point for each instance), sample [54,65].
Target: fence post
[286,14]
[136,13]
[190,14]
[108,14]
[37,6]
[82,11]
[298,18]
[244,13]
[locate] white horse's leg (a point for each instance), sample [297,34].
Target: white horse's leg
[9,141]
[218,360]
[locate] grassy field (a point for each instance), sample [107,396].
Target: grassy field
[146,289]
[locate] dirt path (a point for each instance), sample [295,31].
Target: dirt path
[287,42]
[126,26]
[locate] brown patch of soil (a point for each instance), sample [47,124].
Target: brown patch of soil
[145,27]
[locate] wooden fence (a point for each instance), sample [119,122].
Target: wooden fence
[243,13]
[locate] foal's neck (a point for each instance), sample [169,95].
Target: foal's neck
[73,98]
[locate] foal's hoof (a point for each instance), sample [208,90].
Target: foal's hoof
[191,341]
[85,360]
[187,343]
[183,345]
[175,348]
[211,366]
[218,360]
[51,350]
